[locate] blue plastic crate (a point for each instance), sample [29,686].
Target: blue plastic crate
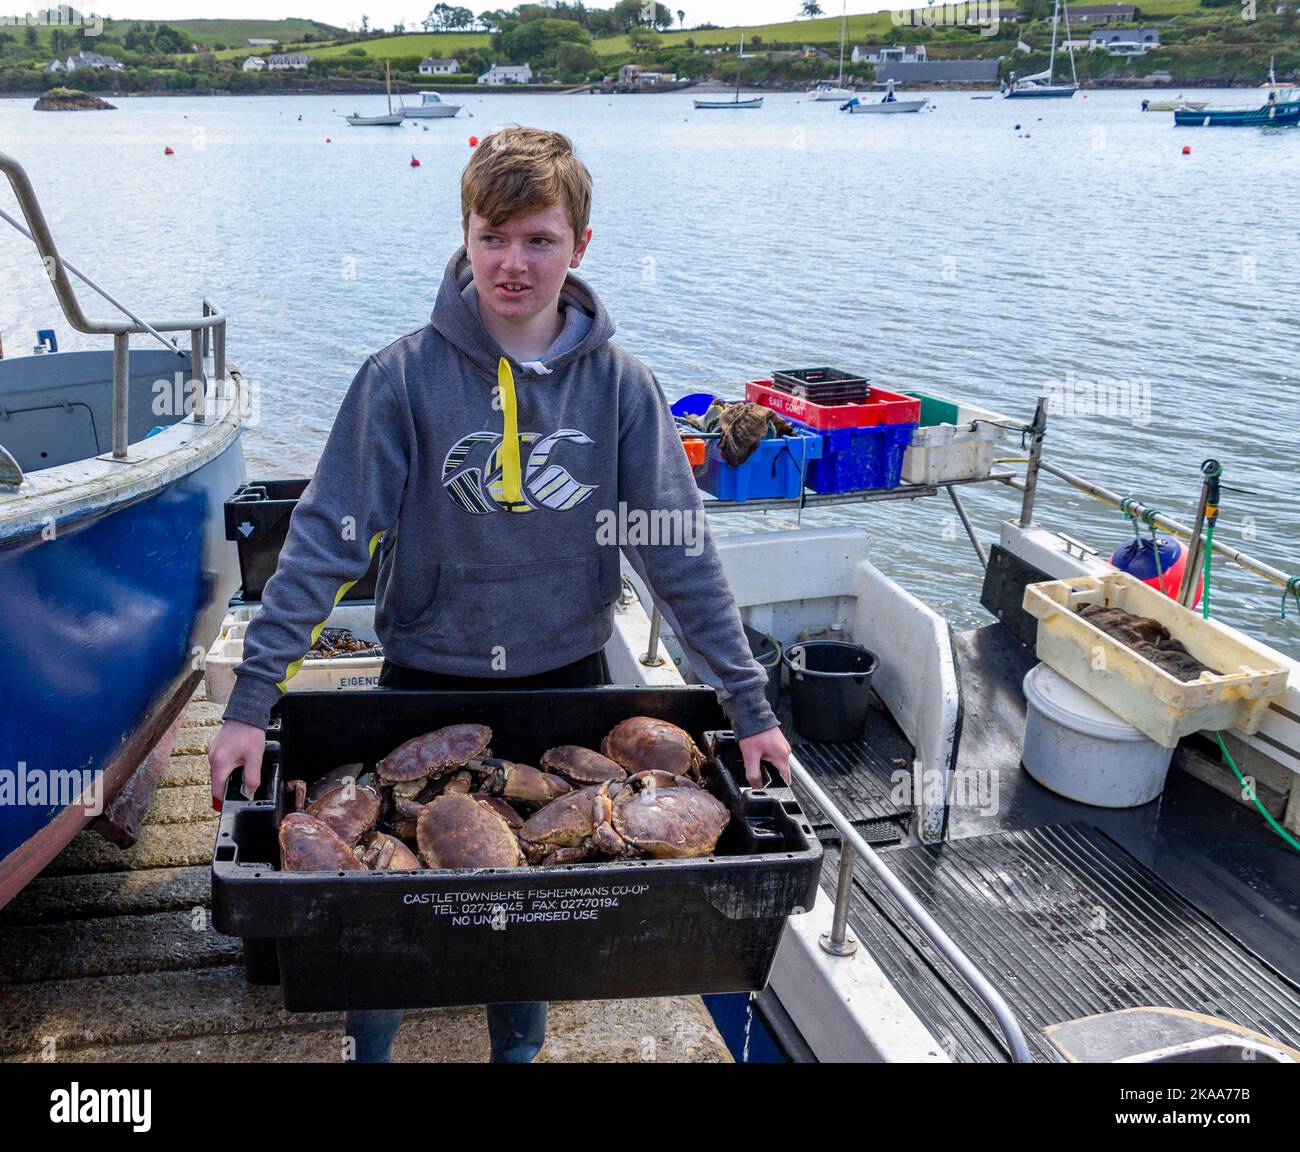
[854,458]
[776,469]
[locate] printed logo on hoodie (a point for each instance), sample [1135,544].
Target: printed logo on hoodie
[472,473]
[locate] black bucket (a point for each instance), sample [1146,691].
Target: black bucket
[767,651]
[830,689]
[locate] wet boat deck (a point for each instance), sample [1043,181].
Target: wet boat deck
[110,955]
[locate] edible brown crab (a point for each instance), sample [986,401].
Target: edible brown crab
[311,845]
[381,852]
[409,765]
[663,815]
[565,830]
[581,766]
[644,744]
[456,831]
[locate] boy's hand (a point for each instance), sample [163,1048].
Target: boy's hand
[237,745]
[771,746]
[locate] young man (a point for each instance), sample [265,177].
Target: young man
[491,451]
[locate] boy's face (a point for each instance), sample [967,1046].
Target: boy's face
[519,266]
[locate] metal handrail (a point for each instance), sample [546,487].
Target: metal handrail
[853,844]
[57,268]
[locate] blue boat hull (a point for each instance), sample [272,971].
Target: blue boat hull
[1268,116]
[104,629]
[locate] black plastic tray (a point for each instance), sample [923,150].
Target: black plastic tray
[822,385]
[589,931]
[257,520]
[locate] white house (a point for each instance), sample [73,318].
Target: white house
[507,74]
[254,42]
[284,61]
[254,64]
[93,60]
[431,67]
[54,66]
[635,75]
[1126,41]
[883,54]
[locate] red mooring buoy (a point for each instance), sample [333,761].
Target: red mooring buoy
[473,141]
[414,162]
[1187,149]
[168,152]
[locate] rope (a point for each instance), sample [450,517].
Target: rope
[1129,506]
[1292,589]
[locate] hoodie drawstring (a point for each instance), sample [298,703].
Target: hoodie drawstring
[512,497]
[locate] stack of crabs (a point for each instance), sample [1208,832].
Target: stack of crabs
[460,807]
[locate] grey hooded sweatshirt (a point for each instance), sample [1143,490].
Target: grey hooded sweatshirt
[472,582]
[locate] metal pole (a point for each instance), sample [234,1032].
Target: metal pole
[837,941]
[198,376]
[1208,509]
[1244,560]
[121,373]
[1036,431]
[219,359]
[652,659]
[850,838]
[970,528]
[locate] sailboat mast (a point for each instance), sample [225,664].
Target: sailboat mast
[388,85]
[844,19]
[1069,45]
[739,53]
[1051,60]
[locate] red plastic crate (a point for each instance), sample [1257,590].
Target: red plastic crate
[882,407]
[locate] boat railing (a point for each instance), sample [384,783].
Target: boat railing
[207,331]
[838,943]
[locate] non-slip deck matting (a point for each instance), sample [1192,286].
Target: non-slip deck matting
[1065,923]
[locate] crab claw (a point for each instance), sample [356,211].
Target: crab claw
[521,783]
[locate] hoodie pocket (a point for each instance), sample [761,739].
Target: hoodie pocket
[478,610]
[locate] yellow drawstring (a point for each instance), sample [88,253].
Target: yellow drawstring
[512,497]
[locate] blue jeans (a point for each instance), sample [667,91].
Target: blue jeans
[516,1032]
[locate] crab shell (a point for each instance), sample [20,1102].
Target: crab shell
[311,845]
[668,817]
[581,766]
[459,832]
[644,744]
[382,852]
[350,809]
[521,783]
[435,751]
[404,817]
[565,830]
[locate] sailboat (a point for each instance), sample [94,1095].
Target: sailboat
[824,89]
[393,119]
[736,101]
[1039,86]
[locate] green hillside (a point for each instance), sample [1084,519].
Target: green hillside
[440,44]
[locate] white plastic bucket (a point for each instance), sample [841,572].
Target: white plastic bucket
[1081,750]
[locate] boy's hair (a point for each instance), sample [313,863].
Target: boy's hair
[515,171]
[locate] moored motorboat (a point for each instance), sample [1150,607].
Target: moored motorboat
[889,103]
[431,107]
[1282,108]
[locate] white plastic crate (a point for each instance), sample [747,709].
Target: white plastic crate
[347,672]
[943,452]
[1156,703]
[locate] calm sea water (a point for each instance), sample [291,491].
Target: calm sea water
[946,250]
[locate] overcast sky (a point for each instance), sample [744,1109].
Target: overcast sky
[386,13]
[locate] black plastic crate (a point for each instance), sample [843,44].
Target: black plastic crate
[257,520]
[588,931]
[822,385]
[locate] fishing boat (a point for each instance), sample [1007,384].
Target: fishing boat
[1280,109]
[824,89]
[735,101]
[887,104]
[1039,86]
[967,911]
[391,119]
[114,568]
[431,107]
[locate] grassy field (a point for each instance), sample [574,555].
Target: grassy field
[439,44]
